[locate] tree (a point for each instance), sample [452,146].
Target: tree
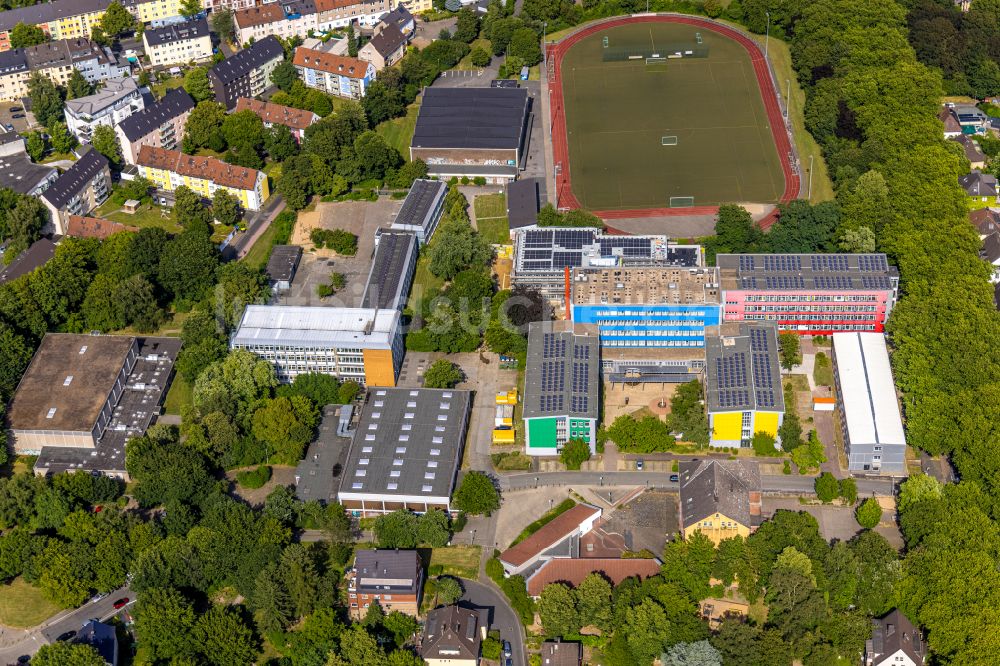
[479,57]
[467,27]
[352,41]
[15,354]
[477,495]
[187,265]
[116,20]
[286,425]
[557,608]
[593,601]
[449,590]
[226,208]
[204,126]
[46,99]
[62,140]
[35,145]
[190,8]
[763,444]
[869,514]
[284,75]
[396,530]
[790,432]
[222,24]
[916,489]
[574,453]
[827,488]
[223,638]
[376,156]
[272,608]
[700,653]
[849,490]
[279,143]
[62,653]
[525,45]
[196,84]
[164,620]
[243,128]
[791,353]
[23,35]
[102,309]
[443,374]
[77,86]
[105,141]
[189,210]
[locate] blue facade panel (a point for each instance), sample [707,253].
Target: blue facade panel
[650,325]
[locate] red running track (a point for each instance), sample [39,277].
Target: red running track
[560,147]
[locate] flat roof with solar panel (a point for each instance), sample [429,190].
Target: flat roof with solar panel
[742,371]
[562,374]
[554,249]
[802,272]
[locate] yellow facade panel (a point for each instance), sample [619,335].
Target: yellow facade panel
[766,422]
[727,426]
[379,368]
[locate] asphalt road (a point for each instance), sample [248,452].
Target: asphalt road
[257,223]
[71,620]
[789,484]
[501,616]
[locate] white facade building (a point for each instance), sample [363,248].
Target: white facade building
[116,101]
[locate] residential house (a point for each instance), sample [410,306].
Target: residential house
[453,636]
[402,19]
[951,126]
[160,125]
[296,120]
[19,173]
[288,18]
[82,188]
[555,539]
[990,253]
[981,187]
[178,43]
[719,498]
[246,73]
[234,5]
[986,221]
[80,226]
[557,653]
[392,578]
[970,118]
[417,6]
[36,256]
[895,641]
[169,169]
[113,103]
[386,47]
[973,153]
[103,638]
[335,14]
[342,76]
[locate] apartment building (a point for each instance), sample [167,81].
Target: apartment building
[296,120]
[116,101]
[719,498]
[169,169]
[402,19]
[160,125]
[178,43]
[247,73]
[392,578]
[79,190]
[364,345]
[57,60]
[809,294]
[417,6]
[386,47]
[212,6]
[335,14]
[19,173]
[338,75]
[289,18]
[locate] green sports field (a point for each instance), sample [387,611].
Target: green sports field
[619,113]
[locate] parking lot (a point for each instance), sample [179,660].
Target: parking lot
[10,109]
[835,522]
[361,218]
[646,522]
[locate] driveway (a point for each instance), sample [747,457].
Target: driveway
[501,616]
[256,223]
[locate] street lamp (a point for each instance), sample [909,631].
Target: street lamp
[767,33]
[545,59]
[473,537]
[602,480]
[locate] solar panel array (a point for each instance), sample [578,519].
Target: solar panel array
[876,282]
[550,403]
[834,281]
[581,352]
[573,239]
[830,262]
[747,262]
[579,403]
[782,262]
[872,263]
[553,376]
[553,346]
[784,282]
[630,246]
[748,283]
[564,364]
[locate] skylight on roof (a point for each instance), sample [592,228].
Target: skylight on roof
[52,412]
[68,380]
[426,489]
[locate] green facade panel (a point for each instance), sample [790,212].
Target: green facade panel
[542,433]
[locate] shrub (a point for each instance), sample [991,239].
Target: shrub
[494,569]
[827,488]
[849,490]
[254,478]
[479,180]
[869,514]
[574,453]
[324,290]
[492,649]
[787,468]
[763,444]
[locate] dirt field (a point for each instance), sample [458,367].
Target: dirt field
[643,395]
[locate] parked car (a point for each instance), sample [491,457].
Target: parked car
[506,649]
[121,603]
[674,478]
[9,127]
[66,635]
[639,464]
[98,597]
[17,115]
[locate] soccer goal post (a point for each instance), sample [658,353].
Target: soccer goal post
[681,202]
[655,60]
[668,140]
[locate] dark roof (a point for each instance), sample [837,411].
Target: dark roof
[399,16]
[388,40]
[552,249]
[242,63]
[13,60]
[978,184]
[51,11]
[991,248]
[102,637]
[552,533]
[556,653]
[973,153]
[894,633]
[408,442]
[395,570]
[452,633]
[421,202]
[175,103]
[75,179]
[563,367]
[950,122]
[491,118]
[742,371]
[176,32]
[283,262]
[22,175]
[719,486]
[798,272]
[34,257]
[69,377]
[522,203]
[394,259]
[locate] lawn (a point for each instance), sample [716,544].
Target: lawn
[494,229]
[466,62]
[823,370]
[160,89]
[22,605]
[147,215]
[490,205]
[461,561]
[180,394]
[398,132]
[260,251]
[425,283]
